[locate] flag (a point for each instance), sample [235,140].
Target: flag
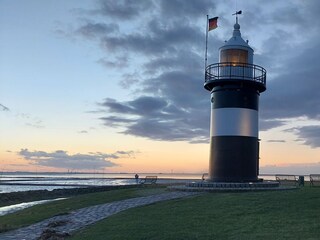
[213,23]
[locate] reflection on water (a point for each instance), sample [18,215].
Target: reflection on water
[17,207]
[21,188]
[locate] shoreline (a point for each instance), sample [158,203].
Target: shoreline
[35,195]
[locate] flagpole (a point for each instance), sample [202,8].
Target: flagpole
[206,54]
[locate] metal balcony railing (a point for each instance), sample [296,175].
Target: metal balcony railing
[228,71]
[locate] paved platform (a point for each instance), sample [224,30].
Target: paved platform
[78,219]
[206,186]
[241,185]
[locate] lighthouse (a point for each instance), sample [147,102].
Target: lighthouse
[235,84]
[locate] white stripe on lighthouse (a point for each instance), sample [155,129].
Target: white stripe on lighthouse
[234,122]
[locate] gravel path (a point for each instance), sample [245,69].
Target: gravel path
[63,225]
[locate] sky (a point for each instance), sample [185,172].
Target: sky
[117,86]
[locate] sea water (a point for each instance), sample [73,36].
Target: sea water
[17,207]
[49,181]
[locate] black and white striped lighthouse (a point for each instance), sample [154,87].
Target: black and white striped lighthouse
[235,84]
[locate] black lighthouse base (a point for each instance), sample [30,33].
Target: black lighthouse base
[234,159]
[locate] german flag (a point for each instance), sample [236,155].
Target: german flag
[213,23]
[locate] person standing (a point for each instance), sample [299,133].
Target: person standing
[137,178]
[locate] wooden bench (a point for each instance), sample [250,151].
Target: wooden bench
[284,179]
[314,179]
[149,180]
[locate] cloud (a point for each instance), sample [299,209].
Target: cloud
[61,159]
[124,10]
[276,141]
[35,124]
[130,154]
[186,8]
[266,124]
[93,30]
[83,131]
[293,93]
[30,120]
[157,40]
[119,62]
[4,108]
[310,135]
[164,41]
[155,118]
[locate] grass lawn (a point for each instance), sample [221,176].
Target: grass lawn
[40,212]
[293,214]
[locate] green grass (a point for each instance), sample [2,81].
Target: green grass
[40,212]
[291,214]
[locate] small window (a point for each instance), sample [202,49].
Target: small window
[234,56]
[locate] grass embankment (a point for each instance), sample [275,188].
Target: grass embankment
[252,215]
[40,212]
[11,198]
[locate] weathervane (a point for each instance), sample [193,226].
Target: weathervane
[236,13]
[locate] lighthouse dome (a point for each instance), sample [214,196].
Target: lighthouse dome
[236,49]
[236,40]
